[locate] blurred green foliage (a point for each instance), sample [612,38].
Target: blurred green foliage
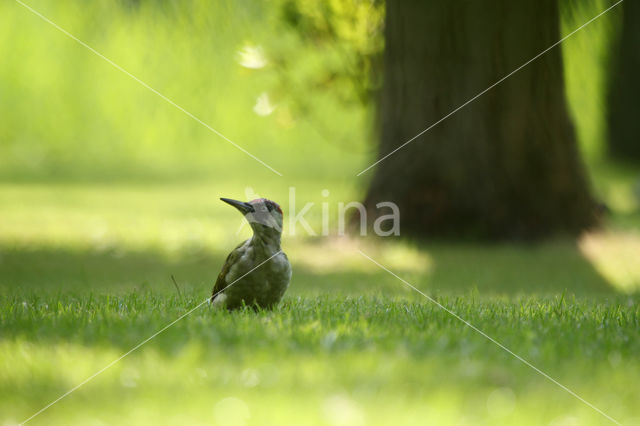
[347,36]
[587,59]
[67,114]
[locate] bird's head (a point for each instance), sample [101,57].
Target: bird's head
[264,216]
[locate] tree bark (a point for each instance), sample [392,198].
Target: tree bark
[506,165]
[624,89]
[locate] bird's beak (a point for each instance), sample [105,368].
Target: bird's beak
[243,207]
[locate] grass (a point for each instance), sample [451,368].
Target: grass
[85,276]
[324,360]
[366,359]
[106,191]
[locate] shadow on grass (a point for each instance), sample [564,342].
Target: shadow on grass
[69,270]
[509,269]
[549,268]
[53,296]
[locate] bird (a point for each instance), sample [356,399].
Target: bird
[257,272]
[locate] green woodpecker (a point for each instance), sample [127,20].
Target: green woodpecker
[257,272]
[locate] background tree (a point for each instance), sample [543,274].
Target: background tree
[507,165]
[624,88]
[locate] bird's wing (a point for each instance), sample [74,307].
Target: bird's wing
[221,282]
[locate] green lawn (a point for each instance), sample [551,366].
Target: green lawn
[106,191]
[373,359]
[85,276]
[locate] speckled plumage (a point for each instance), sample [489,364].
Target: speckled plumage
[245,279]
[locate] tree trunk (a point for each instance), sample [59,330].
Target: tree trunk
[624,88]
[506,165]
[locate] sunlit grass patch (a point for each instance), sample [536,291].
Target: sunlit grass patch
[616,255]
